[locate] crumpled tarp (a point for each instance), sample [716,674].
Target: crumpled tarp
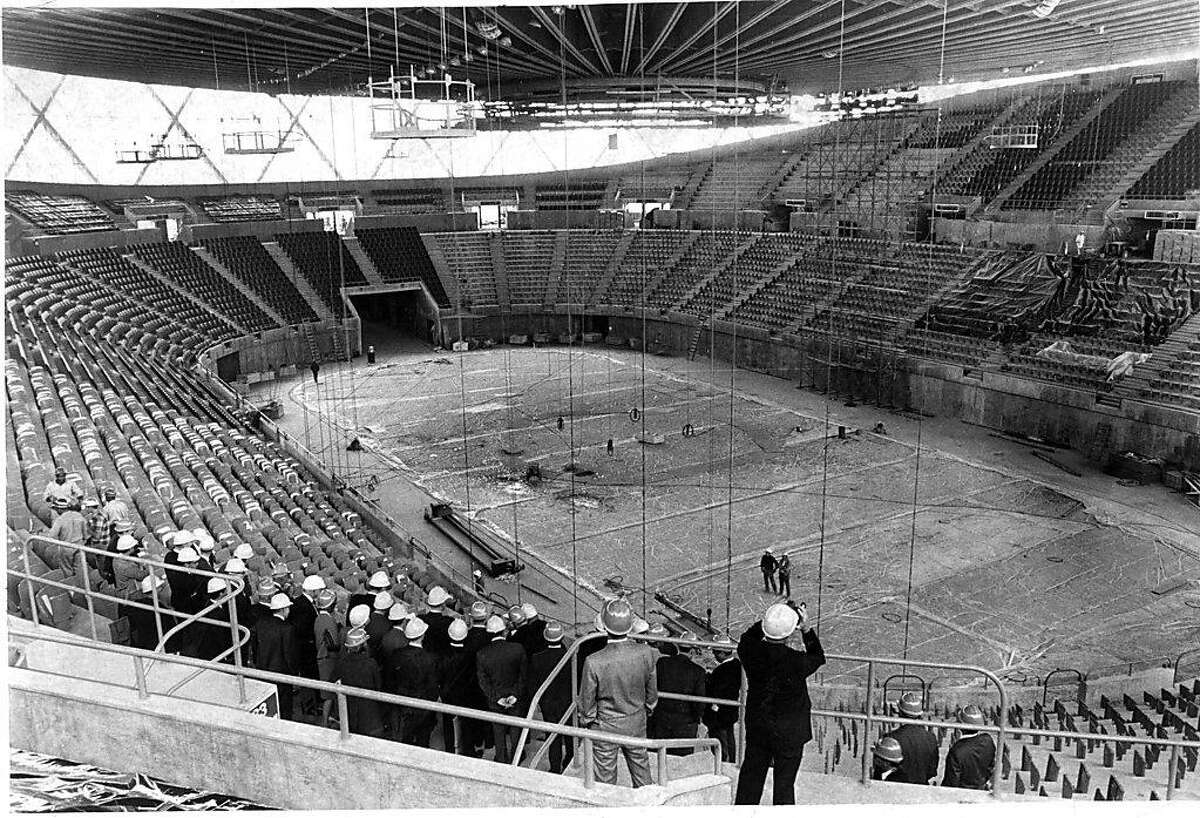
[1116,368]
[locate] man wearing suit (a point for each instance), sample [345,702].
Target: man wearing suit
[618,695]
[969,760]
[414,674]
[530,634]
[459,688]
[778,709]
[436,639]
[673,718]
[557,697]
[304,618]
[918,746]
[356,668]
[278,651]
[473,730]
[501,668]
[725,682]
[378,624]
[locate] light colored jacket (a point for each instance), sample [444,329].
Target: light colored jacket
[620,688]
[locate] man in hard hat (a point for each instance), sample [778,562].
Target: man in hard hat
[143,633]
[618,695]
[60,488]
[473,731]
[304,618]
[677,673]
[70,527]
[213,639]
[187,597]
[778,708]
[888,761]
[477,583]
[530,633]
[724,682]
[414,674]
[379,624]
[767,565]
[259,609]
[278,651]
[501,668]
[356,668]
[389,645]
[969,760]
[437,640]
[328,636]
[112,513]
[917,744]
[128,573]
[557,696]
[406,591]
[91,518]
[460,688]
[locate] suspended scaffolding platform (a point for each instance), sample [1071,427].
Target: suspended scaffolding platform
[406,107]
[160,152]
[256,142]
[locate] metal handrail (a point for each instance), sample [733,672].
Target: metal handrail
[343,692]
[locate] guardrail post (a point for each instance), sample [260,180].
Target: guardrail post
[589,768]
[343,714]
[33,603]
[237,649]
[866,753]
[739,754]
[575,696]
[662,766]
[1003,721]
[157,607]
[139,674]
[1172,769]
[87,594]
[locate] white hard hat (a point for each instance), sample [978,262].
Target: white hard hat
[182,538]
[244,551]
[437,597]
[639,625]
[151,581]
[356,636]
[188,554]
[359,615]
[529,611]
[312,582]
[378,580]
[516,616]
[280,601]
[780,621]
[477,573]
[399,612]
[383,601]
[415,628]
[216,585]
[457,631]
[204,539]
[234,566]
[126,542]
[495,624]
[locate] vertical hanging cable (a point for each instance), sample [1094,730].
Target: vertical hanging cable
[912,540]
[737,10]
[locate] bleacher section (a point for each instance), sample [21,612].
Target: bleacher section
[527,264]
[736,182]
[410,200]
[246,258]
[400,255]
[710,250]
[56,213]
[580,194]
[1177,172]
[469,257]
[325,262]
[242,209]
[647,256]
[588,255]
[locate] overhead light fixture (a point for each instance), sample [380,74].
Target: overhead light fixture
[487,29]
[506,41]
[482,50]
[456,61]
[1046,8]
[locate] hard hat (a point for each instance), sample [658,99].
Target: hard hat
[60,472]
[437,597]
[639,625]
[244,551]
[216,585]
[399,612]
[383,601]
[972,715]
[457,630]
[378,580]
[515,615]
[911,705]
[123,525]
[479,612]
[182,538]
[280,601]
[356,637]
[415,628]
[91,502]
[234,566]
[553,632]
[359,615]
[529,611]
[188,554]
[779,622]
[60,502]
[126,542]
[109,492]
[770,550]
[325,599]
[658,629]
[267,588]
[618,617]
[888,749]
[477,574]
[495,624]
[150,582]
[313,582]
[280,570]
[204,539]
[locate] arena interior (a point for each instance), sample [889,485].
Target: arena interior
[548,305]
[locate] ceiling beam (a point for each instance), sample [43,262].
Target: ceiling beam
[667,28]
[589,23]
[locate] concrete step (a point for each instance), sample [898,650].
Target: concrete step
[369,270]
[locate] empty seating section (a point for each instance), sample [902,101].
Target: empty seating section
[325,263]
[575,195]
[954,129]
[55,213]
[655,184]
[469,257]
[707,253]
[1173,175]
[811,278]
[765,256]
[400,255]
[242,209]
[882,203]
[1179,383]
[648,253]
[588,255]
[735,182]
[410,200]
[192,273]
[528,256]
[246,258]
[990,169]
[1088,151]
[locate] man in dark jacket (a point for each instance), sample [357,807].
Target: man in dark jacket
[436,639]
[677,673]
[557,697]
[501,668]
[389,645]
[277,648]
[969,760]
[303,618]
[459,688]
[778,709]
[415,673]
[473,730]
[187,597]
[888,762]
[725,682]
[356,668]
[530,634]
[918,745]
[768,565]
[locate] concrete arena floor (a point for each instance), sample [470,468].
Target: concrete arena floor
[1016,566]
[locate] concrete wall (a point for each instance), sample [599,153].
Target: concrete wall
[1044,236]
[289,765]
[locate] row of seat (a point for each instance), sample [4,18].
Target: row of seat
[246,258]
[400,255]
